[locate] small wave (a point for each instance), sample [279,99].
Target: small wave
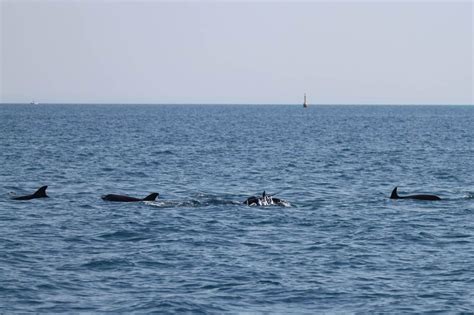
[174,203]
[10,187]
[106,264]
[136,174]
[163,152]
[255,245]
[458,236]
[46,286]
[269,282]
[469,195]
[123,235]
[86,206]
[191,203]
[219,202]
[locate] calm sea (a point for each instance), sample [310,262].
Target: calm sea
[341,247]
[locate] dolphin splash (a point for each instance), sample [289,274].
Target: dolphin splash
[265,200]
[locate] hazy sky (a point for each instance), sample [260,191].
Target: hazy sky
[371,52]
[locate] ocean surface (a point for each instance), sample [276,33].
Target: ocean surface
[342,246]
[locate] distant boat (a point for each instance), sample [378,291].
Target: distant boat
[305,105]
[34,103]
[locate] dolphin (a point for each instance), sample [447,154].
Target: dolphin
[123,198]
[40,193]
[264,200]
[395,195]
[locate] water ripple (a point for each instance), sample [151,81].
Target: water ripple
[341,247]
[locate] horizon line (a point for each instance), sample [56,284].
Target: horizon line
[233,104]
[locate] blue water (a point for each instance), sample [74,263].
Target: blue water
[342,246]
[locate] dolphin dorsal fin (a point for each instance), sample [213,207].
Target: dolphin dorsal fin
[151,197]
[264,194]
[41,192]
[394,194]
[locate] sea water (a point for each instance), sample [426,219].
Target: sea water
[341,246]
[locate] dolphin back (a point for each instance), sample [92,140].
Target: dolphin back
[251,200]
[119,198]
[40,193]
[424,197]
[124,198]
[395,195]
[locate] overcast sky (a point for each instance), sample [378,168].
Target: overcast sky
[352,52]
